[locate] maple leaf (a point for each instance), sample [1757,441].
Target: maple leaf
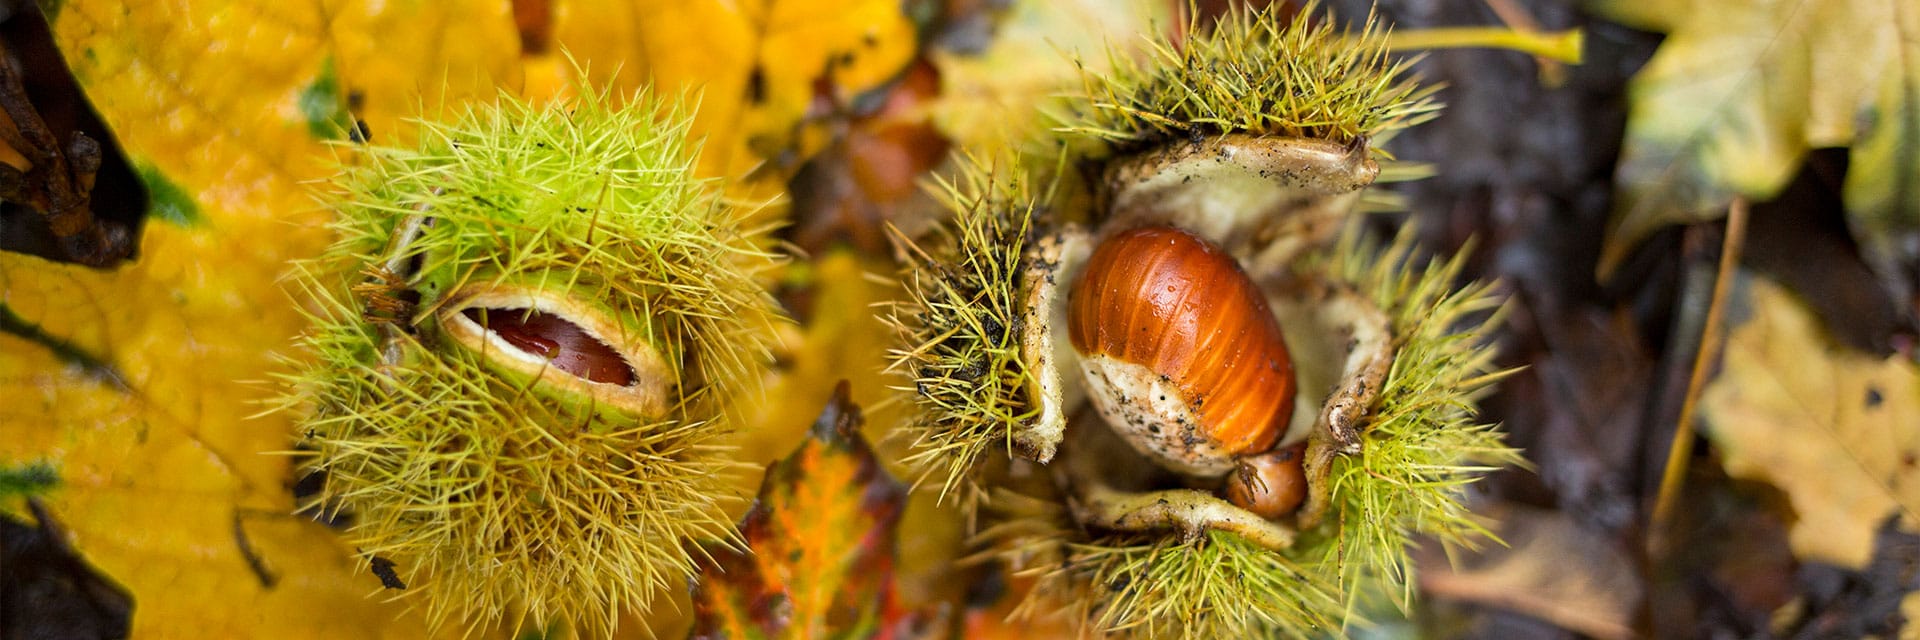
[1831,427]
[821,545]
[1740,91]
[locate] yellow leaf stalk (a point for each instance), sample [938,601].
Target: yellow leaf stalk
[526,344]
[1255,134]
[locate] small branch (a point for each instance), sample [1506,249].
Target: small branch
[1711,340]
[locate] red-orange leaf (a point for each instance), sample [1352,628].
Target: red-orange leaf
[820,543]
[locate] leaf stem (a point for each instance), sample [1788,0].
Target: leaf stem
[1710,338]
[1563,46]
[1553,74]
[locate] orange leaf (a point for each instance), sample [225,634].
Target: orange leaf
[821,545]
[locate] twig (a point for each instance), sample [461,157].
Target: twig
[1710,342]
[1563,46]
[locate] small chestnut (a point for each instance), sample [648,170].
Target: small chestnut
[1271,485]
[1181,353]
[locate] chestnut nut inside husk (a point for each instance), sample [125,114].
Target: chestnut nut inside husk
[1199,345]
[1271,485]
[1181,354]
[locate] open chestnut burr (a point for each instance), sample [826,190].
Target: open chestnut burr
[1169,375]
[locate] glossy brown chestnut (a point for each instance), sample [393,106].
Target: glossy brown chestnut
[1184,312]
[564,344]
[1271,485]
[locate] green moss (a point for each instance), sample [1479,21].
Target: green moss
[27,479]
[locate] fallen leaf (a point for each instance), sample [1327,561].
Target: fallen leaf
[842,339]
[755,66]
[1910,610]
[871,171]
[820,540]
[1740,91]
[1831,427]
[134,385]
[1550,568]
[50,592]
[991,99]
[839,338]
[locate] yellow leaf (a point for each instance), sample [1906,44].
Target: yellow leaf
[1910,609]
[990,99]
[1832,428]
[1741,90]
[137,384]
[842,339]
[820,542]
[166,485]
[753,64]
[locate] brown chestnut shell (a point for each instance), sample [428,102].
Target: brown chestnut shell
[1176,305]
[1271,485]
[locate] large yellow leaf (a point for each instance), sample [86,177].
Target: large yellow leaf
[755,65]
[1837,430]
[1742,89]
[139,385]
[991,98]
[166,485]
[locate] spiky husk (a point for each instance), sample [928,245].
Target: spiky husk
[1252,72]
[959,326]
[1424,443]
[1218,586]
[494,501]
[1422,448]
